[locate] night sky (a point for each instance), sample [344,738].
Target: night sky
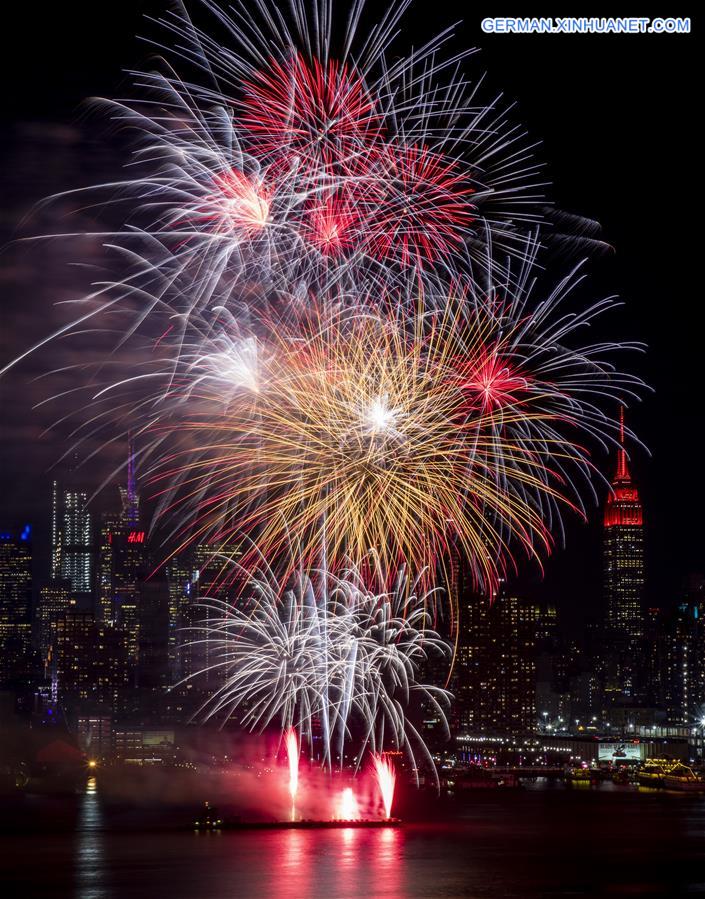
[617,119]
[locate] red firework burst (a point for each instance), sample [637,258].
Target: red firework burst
[332,224]
[491,382]
[315,111]
[420,206]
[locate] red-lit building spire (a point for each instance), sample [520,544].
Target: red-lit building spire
[623,504]
[622,467]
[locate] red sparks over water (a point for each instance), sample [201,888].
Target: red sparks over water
[292,751]
[386,778]
[348,809]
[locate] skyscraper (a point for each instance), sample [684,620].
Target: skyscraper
[75,649]
[55,562]
[128,494]
[495,671]
[622,659]
[179,573]
[15,607]
[623,552]
[215,577]
[93,667]
[122,558]
[105,585]
[683,662]
[153,671]
[55,600]
[129,562]
[71,535]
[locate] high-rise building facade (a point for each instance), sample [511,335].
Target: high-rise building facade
[105,562]
[129,497]
[153,667]
[129,563]
[179,574]
[15,607]
[75,650]
[216,578]
[93,665]
[547,625]
[623,553]
[55,561]
[72,537]
[683,663]
[128,558]
[55,600]
[623,585]
[494,679]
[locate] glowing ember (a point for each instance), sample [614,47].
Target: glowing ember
[348,810]
[386,778]
[240,202]
[292,752]
[379,416]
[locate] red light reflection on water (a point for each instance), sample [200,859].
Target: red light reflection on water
[362,863]
[369,862]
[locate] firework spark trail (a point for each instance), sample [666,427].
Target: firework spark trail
[386,779]
[322,655]
[291,742]
[348,809]
[360,429]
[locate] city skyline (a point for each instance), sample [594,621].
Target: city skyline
[116,649]
[587,539]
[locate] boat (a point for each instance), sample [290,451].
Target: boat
[670,773]
[681,777]
[208,819]
[579,775]
[622,776]
[652,773]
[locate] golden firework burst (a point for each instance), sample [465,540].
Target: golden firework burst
[359,432]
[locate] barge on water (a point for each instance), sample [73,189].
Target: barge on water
[211,820]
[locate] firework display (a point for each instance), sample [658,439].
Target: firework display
[342,354]
[323,655]
[360,431]
[386,778]
[292,756]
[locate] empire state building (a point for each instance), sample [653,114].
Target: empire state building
[623,551]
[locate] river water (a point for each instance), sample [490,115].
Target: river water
[541,841]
